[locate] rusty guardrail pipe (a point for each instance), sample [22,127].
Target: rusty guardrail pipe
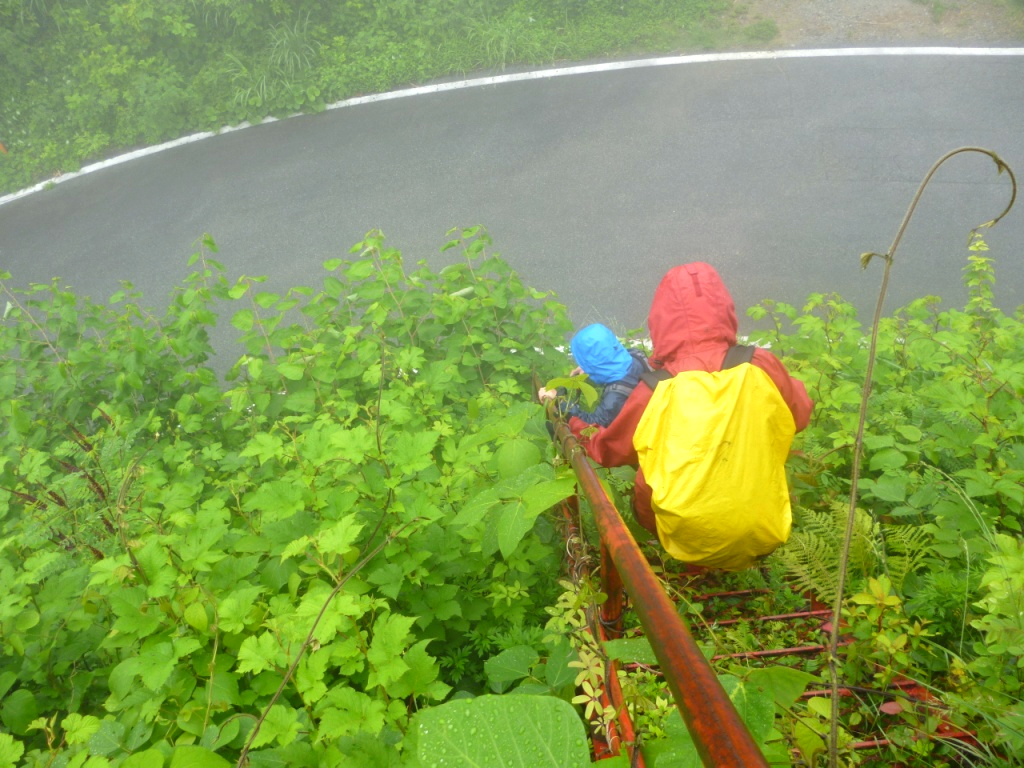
[721,737]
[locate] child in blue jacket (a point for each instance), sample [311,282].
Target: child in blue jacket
[610,365]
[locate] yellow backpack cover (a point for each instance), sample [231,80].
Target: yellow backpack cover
[713,448]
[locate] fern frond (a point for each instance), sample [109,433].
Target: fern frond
[811,555]
[905,547]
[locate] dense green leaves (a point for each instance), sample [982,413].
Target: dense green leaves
[79,80]
[353,528]
[183,558]
[941,489]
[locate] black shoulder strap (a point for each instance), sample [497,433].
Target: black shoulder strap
[736,355]
[651,378]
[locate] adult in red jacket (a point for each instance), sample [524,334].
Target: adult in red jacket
[692,324]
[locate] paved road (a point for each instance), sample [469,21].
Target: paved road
[779,172]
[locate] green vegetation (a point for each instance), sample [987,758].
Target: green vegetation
[339,539]
[937,549]
[81,80]
[337,557]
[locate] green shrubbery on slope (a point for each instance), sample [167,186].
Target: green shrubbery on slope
[80,80]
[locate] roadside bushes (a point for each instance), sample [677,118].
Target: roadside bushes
[80,80]
[342,536]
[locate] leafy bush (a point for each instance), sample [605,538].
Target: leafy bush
[293,565]
[82,80]
[944,458]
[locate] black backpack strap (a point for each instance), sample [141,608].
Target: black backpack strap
[652,378]
[737,355]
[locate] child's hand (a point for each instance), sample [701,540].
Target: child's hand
[546,394]
[576,371]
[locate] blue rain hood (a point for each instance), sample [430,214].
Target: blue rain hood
[600,354]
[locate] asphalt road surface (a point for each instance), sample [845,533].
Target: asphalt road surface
[778,172]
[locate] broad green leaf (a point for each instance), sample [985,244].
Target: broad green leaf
[339,538]
[79,728]
[510,731]
[910,433]
[259,653]
[390,639]
[197,757]
[243,320]
[255,367]
[351,712]
[218,735]
[138,736]
[235,608]
[677,749]
[527,688]
[421,678]
[755,707]
[156,663]
[195,616]
[122,676]
[333,287]
[821,706]
[151,758]
[411,452]
[511,664]
[353,444]
[888,487]
[557,672]
[515,456]
[263,446]
[811,739]
[878,442]
[514,522]
[631,650]
[18,710]
[281,725]
[783,684]
[545,495]
[297,547]
[888,458]
[474,510]
[277,500]
[107,740]
[291,371]
[7,680]
[11,750]
[266,299]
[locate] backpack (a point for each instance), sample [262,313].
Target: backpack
[713,447]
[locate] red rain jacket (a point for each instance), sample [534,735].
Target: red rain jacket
[693,324]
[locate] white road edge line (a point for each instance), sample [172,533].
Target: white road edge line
[539,74]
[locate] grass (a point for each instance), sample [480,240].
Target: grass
[228,68]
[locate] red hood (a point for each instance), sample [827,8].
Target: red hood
[692,314]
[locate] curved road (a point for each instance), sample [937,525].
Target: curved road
[780,171]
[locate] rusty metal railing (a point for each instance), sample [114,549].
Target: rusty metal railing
[721,737]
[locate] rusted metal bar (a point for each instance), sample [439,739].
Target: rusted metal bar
[619,734]
[774,652]
[623,726]
[719,734]
[776,617]
[611,611]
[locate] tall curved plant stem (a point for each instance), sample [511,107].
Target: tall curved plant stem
[243,758]
[844,558]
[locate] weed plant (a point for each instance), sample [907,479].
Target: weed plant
[356,529]
[80,81]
